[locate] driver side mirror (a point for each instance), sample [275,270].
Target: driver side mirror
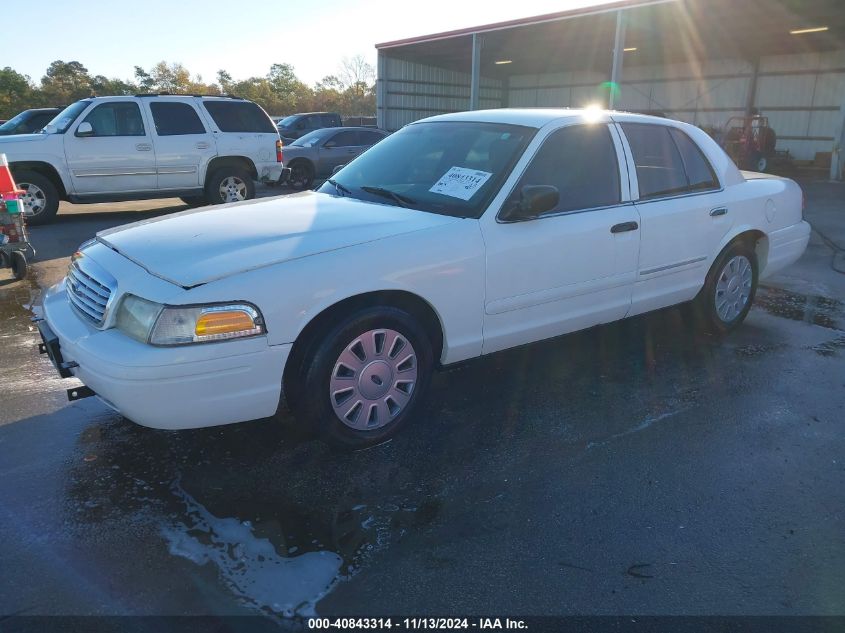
[533,201]
[85,129]
[329,145]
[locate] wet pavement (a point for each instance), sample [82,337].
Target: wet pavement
[636,468]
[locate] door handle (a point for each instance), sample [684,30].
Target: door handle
[202,145]
[351,151]
[143,147]
[718,211]
[624,226]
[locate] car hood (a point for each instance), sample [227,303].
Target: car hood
[198,246]
[22,138]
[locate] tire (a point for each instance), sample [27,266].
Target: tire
[337,381]
[301,175]
[729,289]
[41,198]
[229,184]
[194,201]
[19,266]
[759,163]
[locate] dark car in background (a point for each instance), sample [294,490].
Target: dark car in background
[298,125]
[318,153]
[29,121]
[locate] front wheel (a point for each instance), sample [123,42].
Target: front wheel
[40,198]
[365,379]
[729,289]
[229,184]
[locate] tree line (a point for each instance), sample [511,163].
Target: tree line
[351,91]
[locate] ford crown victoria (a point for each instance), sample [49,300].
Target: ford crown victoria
[458,236]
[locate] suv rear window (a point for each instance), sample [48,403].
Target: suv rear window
[174,119]
[239,116]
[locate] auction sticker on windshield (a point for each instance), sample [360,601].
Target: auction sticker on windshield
[460,182]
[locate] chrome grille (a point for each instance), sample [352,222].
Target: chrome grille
[89,290]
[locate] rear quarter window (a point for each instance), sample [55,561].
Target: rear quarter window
[239,116]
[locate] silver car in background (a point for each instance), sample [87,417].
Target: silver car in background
[318,153]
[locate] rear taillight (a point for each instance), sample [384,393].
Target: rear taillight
[279,156]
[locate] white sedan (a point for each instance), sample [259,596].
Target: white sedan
[458,236]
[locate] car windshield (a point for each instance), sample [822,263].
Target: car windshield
[13,123]
[287,121]
[311,139]
[451,168]
[63,120]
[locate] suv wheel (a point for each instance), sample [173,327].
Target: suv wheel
[40,200]
[229,184]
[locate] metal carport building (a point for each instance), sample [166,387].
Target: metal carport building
[700,61]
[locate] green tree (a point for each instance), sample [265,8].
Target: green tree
[225,80]
[65,82]
[16,93]
[103,86]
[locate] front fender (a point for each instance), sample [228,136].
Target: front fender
[443,266]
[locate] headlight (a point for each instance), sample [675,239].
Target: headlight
[157,324]
[136,317]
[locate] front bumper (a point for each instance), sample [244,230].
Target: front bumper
[183,387]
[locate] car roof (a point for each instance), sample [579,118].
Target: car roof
[353,127]
[538,117]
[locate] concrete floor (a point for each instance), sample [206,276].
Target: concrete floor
[636,468]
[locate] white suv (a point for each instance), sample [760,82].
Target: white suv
[202,149]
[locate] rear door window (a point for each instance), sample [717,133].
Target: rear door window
[175,119]
[700,174]
[369,138]
[349,138]
[581,161]
[660,169]
[239,116]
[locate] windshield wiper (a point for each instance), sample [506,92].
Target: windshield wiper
[339,187]
[403,201]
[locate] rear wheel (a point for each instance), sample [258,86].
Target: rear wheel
[229,184]
[729,290]
[40,199]
[301,175]
[365,379]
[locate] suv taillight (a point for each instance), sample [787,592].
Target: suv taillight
[279,156]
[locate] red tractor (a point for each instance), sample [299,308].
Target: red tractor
[749,141]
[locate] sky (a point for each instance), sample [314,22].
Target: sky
[112,37]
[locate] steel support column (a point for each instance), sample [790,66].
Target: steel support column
[752,87]
[381,91]
[618,53]
[475,81]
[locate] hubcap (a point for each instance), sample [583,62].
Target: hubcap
[733,288]
[373,379]
[232,189]
[34,200]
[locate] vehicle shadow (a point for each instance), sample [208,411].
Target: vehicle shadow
[303,496]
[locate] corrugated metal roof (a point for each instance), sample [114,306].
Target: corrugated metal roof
[538,19]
